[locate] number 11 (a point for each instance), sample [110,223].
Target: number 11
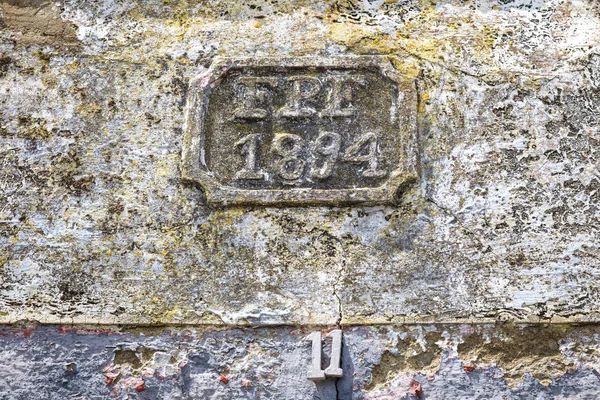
[315,373]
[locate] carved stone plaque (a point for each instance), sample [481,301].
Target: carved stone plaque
[303,131]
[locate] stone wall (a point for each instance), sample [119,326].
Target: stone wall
[471,276]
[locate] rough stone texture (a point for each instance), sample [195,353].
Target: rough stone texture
[97,226]
[413,362]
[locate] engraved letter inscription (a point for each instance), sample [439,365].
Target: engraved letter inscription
[305,87]
[339,99]
[301,131]
[252,95]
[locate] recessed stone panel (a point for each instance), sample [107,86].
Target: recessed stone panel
[301,131]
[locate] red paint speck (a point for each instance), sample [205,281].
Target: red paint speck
[27,332]
[140,387]
[65,329]
[223,378]
[468,368]
[416,389]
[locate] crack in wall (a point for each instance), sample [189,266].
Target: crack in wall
[338,322]
[421,126]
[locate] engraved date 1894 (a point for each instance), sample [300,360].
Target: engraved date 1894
[300,131]
[325,152]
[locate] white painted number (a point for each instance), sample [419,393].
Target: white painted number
[315,372]
[334,370]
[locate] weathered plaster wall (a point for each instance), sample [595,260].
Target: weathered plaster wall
[97,227]
[391,362]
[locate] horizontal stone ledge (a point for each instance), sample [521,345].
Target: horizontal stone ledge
[396,322]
